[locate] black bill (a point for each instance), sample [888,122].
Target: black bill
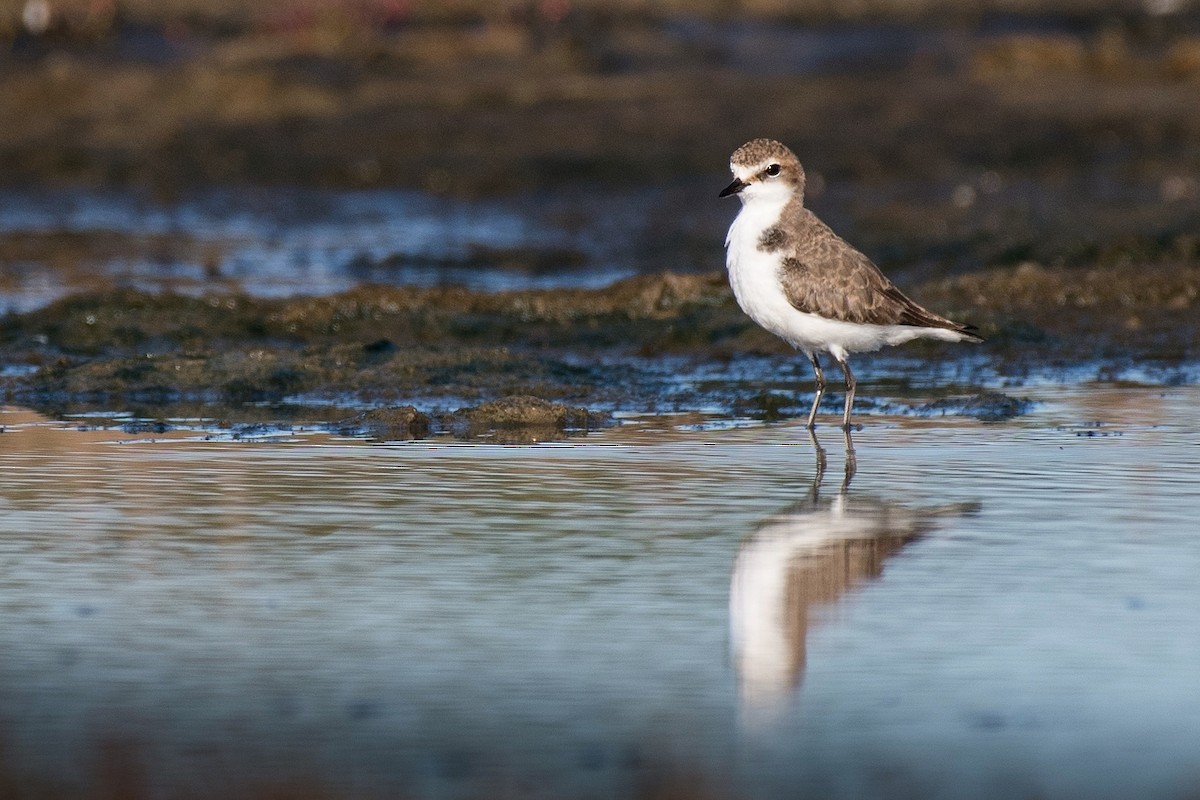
[733,188]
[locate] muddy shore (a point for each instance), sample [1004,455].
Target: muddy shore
[1029,169]
[444,356]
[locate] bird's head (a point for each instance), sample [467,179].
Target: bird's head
[764,169]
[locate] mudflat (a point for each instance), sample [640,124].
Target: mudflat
[1030,171]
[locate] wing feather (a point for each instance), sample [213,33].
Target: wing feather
[824,275]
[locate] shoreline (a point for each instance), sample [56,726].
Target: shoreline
[410,360]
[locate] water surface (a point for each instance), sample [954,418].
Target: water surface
[982,610]
[286,242]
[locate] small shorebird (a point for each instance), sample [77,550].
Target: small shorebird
[802,282]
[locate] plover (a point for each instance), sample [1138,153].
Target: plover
[802,282]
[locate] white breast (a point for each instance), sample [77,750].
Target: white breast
[754,274]
[754,278]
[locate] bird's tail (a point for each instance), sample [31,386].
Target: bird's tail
[918,316]
[968,333]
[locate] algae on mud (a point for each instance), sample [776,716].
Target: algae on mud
[444,348]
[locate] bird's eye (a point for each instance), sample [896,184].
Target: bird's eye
[772,170]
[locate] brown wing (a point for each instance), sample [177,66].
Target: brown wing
[824,275]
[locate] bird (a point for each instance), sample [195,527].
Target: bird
[799,280]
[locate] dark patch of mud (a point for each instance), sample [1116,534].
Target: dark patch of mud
[985,406]
[1135,311]
[517,419]
[523,419]
[372,346]
[768,406]
[665,343]
[388,424]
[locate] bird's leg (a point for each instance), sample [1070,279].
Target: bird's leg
[850,384]
[812,415]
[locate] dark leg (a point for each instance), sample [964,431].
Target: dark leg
[850,384]
[812,415]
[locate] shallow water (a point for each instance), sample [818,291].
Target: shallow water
[299,241]
[985,610]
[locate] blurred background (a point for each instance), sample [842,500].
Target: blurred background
[304,146]
[229,221]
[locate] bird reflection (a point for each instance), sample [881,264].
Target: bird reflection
[799,560]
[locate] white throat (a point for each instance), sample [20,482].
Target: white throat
[762,205]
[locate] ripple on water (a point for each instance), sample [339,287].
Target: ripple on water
[981,609]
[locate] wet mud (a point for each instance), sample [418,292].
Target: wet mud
[518,419]
[1030,169]
[644,345]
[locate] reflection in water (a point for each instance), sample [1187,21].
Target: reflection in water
[795,562]
[323,618]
